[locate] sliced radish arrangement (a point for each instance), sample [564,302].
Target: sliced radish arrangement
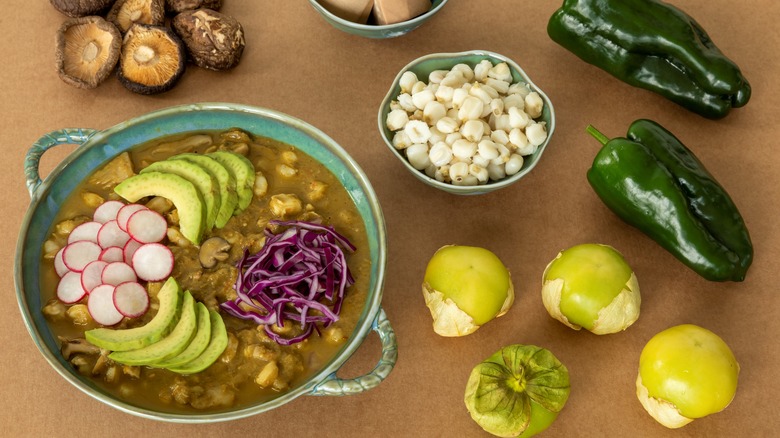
[77,255]
[130,247]
[118,272]
[125,212]
[85,231]
[59,265]
[91,276]
[69,289]
[111,235]
[101,305]
[112,254]
[105,258]
[107,211]
[131,299]
[147,226]
[153,262]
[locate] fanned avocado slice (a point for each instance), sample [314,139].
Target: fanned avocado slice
[170,297]
[206,184]
[183,194]
[244,172]
[198,343]
[176,341]
[217,345]
[227,184]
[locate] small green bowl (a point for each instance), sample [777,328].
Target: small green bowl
[378,31]
[422,67]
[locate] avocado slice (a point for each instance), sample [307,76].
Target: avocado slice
[217,345]
[198,343]
[206,184]
[170,297]
[183,194]
[227,184]
[244,172]
[176,341]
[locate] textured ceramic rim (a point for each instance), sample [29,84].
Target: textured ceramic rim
[369,316]
[455,58]
[379,30]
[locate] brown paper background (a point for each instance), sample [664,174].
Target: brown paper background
[298,64]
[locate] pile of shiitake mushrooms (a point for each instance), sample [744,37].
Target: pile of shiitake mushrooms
[151,56]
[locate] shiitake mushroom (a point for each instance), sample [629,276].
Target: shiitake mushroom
[153,59]
[87,51]
[125,13]
[214,41]
[177,6]
[81,8]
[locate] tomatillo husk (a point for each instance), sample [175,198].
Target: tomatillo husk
[465,287]
[518,391]
[591,286]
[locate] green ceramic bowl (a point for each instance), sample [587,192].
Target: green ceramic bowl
[422,67]
[98,147]
[376,31]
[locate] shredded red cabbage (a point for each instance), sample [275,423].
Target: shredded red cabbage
[299,275]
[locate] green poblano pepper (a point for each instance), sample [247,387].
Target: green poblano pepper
[653,45]
[653,182]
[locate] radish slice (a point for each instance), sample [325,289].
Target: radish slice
[91,276]
[77,255]
[130,247]
[86,231]
[131,299]
[153,262]
[112,254]
[107,211]
[101,305]
[125,212]
[111,235]
[69,289]
[147,226]
[59,265]
[117,272]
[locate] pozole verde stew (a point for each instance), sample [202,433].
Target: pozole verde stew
[255,364]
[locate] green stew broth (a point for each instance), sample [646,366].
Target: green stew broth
[253,368]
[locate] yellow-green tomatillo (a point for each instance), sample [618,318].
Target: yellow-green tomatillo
[465,287]
[686,372]
[591,286]
[518,391]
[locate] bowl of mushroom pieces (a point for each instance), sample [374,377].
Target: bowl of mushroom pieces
[467,123]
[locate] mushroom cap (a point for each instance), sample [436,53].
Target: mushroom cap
[177,6]
[152,60]
[81,8]
[125,13]
[87,51]
[213,250]
[214,41]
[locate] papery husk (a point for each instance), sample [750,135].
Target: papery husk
[621,312]
[662,411]
[448,319]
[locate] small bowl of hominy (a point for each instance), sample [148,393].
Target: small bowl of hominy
[467,123]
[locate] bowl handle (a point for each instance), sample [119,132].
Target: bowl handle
[333,385]
[77,136]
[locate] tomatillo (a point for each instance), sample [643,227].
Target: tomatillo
[591,286]
[465,287]
[518,391]
[686,372]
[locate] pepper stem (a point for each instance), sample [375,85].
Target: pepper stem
[603,139]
